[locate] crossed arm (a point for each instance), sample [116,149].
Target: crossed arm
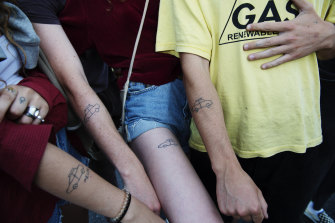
[76,183]
[69,71]
[71,181]
[237,194]
[297,38]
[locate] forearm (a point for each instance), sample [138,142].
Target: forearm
[66,178]
[237,194]
[328,50]
[87,105]
[209,120]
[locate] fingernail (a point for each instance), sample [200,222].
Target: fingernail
[264,67]
[248,27]
[251,57]
[245,46]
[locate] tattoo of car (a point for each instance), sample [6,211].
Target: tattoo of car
[167,143]
[201,103]
[75,176]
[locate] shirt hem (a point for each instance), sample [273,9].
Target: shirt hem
[265,153]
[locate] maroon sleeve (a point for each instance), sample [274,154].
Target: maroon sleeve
[22,146]
[21,150]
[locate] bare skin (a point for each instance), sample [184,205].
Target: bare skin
[297,38]
[94,115]
[14,100]
[236,192]
[90,191]
[179,189]
[65,177]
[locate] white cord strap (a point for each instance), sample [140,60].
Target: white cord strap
[126,85]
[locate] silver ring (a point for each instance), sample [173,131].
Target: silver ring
[30,115]
[40,118]
[32,112]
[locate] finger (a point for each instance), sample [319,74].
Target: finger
[7,97]
[269,26]
[17,108]
[30,114]
[25,119]
[283,59]
[264,205]
[274,51]
[265,43]
[257,218]
[43,113]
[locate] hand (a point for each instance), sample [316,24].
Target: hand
[238,196]
[138,212]
[297,38]
[139,185]
[15,99]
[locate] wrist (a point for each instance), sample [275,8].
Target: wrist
[223,159]
[124,208]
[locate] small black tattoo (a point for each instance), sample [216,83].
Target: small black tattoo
[87,175]
[168,143]
[200,104]
[22,100]
[75,176]
[90,110]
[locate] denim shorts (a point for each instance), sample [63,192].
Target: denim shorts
[165,106]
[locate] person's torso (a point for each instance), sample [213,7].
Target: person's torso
[112,28]
[266,111]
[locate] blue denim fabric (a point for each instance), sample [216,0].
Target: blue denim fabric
[63,143]
[149,107]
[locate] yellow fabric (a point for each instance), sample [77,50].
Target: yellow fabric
[266,112]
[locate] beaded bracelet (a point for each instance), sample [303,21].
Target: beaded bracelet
[124,208]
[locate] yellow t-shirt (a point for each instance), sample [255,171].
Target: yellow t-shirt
[266,111]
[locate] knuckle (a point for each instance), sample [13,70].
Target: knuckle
[290,26]
[291,39]
[28,90]
[231,212]
[255,209]
[45,107]
[243,212]
[155,207]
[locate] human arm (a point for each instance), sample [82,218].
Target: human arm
[94,115]
[305,34]
[237,194]
[91,191]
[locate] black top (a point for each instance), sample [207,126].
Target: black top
[47,12]
[42,11]
[327,69]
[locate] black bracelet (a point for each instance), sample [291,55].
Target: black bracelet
[124,208]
